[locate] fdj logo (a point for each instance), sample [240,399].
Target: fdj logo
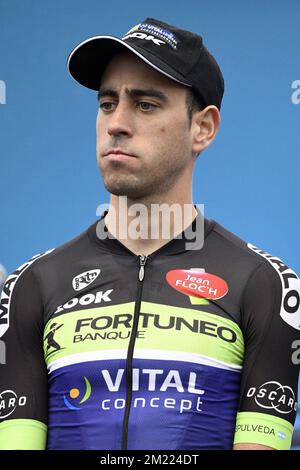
[147,37]
[76,397]
[9,402]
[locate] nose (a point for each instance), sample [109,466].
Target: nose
[120,122]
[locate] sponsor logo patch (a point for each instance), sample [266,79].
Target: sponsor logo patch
[85,279]
[9,401]
[158,382]
[76,397]
[192,282]
[274,396]
[86,299]
[151,32]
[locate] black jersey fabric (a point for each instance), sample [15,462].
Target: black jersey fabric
[181,349]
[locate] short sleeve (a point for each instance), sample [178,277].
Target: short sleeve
[268,400]
[23,374]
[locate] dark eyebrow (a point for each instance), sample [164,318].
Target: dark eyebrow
[150,92]
[135,93]
[107,92]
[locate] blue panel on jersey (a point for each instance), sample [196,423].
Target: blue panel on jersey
[175,405]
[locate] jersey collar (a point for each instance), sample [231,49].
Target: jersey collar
[192,238]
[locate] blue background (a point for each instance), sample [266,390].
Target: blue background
[248,178]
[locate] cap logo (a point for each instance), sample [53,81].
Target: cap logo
[158,42]
[154,33]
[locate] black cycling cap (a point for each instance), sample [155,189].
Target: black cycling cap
[176,53]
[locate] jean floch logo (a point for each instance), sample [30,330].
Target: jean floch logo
[195,283]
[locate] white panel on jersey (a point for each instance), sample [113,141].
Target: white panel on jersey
[8,288]
[290,301]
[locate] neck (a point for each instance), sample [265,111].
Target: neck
[144,226]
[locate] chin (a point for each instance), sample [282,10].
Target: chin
[118,187]
[125,190]
[132,194]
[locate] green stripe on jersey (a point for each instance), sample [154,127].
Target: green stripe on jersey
[23,434]
[260,428]
[161,327]
[192,331]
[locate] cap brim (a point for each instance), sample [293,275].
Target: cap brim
[87,61]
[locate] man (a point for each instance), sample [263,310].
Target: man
[155,342]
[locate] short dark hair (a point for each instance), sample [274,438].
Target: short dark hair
[193,103]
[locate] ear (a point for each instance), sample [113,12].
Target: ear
[204,127]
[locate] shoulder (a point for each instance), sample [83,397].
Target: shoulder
[53,261]
[244,252]
[61,256]
[267,274]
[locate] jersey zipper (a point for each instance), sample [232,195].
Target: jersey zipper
[142,263]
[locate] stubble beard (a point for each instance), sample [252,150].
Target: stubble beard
[142,185]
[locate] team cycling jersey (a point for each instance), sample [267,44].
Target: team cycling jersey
[181,349]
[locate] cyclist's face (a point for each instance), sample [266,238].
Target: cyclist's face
[143,114]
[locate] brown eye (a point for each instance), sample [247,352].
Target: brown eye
[145,106]
[106,105]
